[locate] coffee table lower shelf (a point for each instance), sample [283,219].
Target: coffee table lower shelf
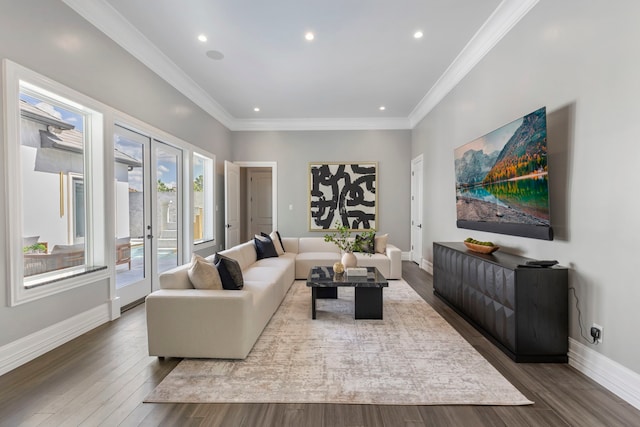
[324,284]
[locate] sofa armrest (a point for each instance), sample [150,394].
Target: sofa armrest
[176,278]
[395,256]
[200,323]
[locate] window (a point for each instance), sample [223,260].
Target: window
[202,198]
[77,211]
[54,165]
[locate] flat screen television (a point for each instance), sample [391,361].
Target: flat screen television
[502,182]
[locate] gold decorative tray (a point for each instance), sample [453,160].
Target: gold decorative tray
[481,248]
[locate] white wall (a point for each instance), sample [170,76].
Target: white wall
[51,39]
[581,60]
[293,150]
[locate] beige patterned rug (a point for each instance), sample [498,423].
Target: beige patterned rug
[412,357]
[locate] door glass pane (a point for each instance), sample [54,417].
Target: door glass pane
[202,198]
[166,235]
[52,141]
[130,212]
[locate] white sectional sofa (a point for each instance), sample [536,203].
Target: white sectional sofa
[210,323]
[312,251]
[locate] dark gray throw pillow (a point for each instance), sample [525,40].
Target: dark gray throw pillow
[264,246]
[367,245]
[230,272]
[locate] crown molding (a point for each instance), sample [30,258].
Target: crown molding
[358,123]
[502,20]
[108,20]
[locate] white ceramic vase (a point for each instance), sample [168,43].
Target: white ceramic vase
[349,260]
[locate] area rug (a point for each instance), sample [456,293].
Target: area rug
[411,357]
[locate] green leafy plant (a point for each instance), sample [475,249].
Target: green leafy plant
[343,240]
[35,248]
[164,188]
[198,183]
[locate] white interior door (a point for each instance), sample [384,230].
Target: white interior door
[416,209]
[260,201]
[231,204]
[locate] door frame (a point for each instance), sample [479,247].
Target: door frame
[417,213]
[231,225]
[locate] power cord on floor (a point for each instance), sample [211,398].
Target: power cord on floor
[580,317]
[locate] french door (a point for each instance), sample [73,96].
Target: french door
[148,213]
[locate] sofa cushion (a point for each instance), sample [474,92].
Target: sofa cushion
[203,274]
[244,253]
[307,260]
[380,261]
[290,244]
[264,246]
[230,272]
[316,244]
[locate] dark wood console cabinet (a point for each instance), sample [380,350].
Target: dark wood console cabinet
[524,311]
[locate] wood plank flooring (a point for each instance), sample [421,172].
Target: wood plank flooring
[101,378]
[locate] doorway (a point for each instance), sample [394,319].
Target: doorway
[250,200]
[148,188]
[257,185]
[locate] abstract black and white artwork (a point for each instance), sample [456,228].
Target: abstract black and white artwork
[342,194]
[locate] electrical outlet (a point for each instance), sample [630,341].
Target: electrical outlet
[596,333]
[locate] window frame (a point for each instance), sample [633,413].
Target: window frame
[209,181]
[20,290]
[72,210]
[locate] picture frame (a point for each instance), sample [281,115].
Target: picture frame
[343,194]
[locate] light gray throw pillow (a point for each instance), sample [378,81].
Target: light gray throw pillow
[380,243]
[203,274]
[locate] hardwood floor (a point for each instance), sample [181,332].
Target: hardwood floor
[102,377]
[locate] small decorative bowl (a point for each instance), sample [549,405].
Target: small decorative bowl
[481,248]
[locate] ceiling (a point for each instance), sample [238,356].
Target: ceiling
[364,55]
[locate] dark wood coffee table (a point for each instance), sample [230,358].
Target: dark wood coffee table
[368,290]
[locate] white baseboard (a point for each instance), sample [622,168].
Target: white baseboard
[25,349]
[423,264]
[616,378]
[610,374]
[427,266]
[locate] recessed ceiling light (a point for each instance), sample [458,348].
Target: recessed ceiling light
[202,38]
[256,109]
[382,108]
[309,36]
[418,34]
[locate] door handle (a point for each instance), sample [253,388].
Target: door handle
[228,225]
[419,225]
